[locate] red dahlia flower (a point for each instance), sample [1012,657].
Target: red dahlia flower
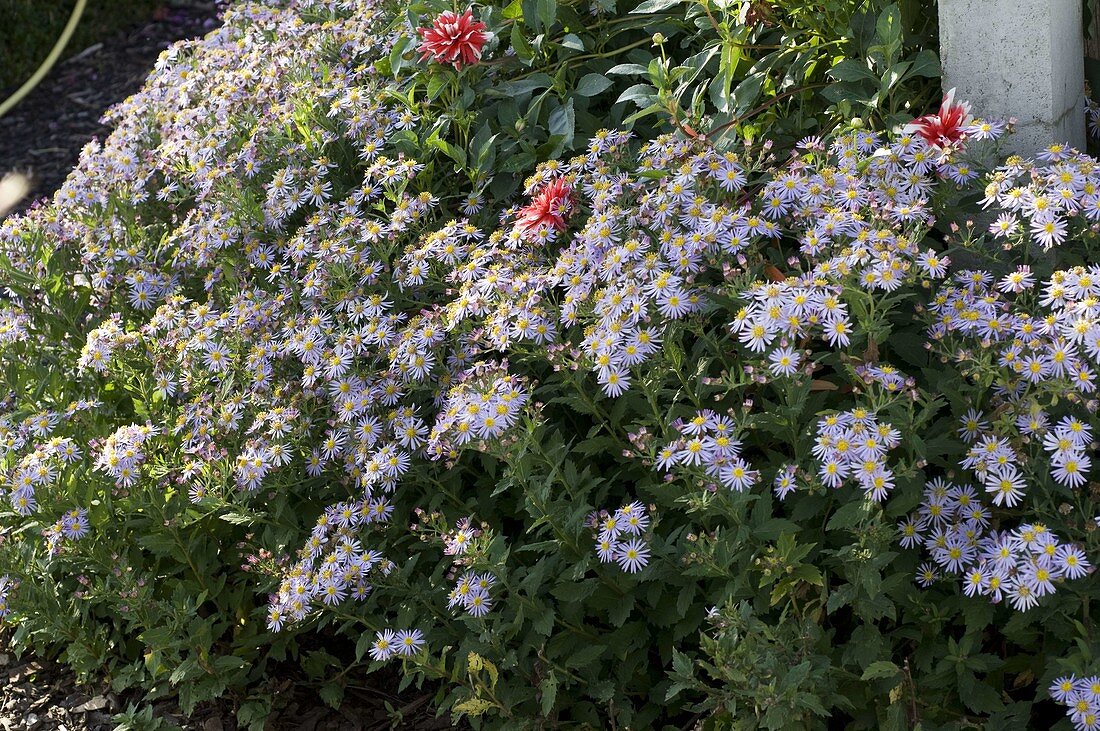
[546,210]
[946,127]
[453,39]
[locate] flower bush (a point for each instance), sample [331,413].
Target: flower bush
[388,334]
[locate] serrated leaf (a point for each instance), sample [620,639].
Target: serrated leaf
[332,694]
[880,669]
[585,655]
[549,693]
[472,707]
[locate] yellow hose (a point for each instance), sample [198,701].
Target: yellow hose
[44,69]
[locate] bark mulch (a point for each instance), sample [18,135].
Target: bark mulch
[40,695]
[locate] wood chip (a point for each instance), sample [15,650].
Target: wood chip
[94,704]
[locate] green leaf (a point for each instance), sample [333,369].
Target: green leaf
[332,694]
[978,696]
[540,14]
[472,706]
[526,86]
[571,591]
[852,70]
[880,669]
[621,610]
[520,44]
[888,26]
[455,153]
[549,692]
[237,518]
[893,75]
[655,6]
[362,645]
[723,83]
[640,94]
[747,93]
[628,69]
[926,64]
[592,84]
[397,54]
[573,42]
[543,623]
[562,122]
[584,656]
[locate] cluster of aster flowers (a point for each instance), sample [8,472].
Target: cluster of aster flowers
[1046,354]
[887,377]
[708,442]
[40,467]
[471,593]
[1081,697]
[1020,565]
[458,541]
[1063,340]
[72,526]
[858,211]
[482,405]
[621,536]
[855,445]
[993,460]
[1041,199]
[333,317]
[101,345]
[13,326]
[334,565]
[784,310]
[1066,444]
[33,470]
[123,453]
[396,643]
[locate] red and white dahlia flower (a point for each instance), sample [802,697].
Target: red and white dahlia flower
[547,210]
[944,128]
[453,39]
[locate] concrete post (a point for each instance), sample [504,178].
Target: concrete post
[1022,59]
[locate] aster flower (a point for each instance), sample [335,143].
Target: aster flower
[633,555]
[784,361]
[478,603]
[408,641]
[384,645]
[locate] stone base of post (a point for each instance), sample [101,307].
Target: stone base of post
[1022,59]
